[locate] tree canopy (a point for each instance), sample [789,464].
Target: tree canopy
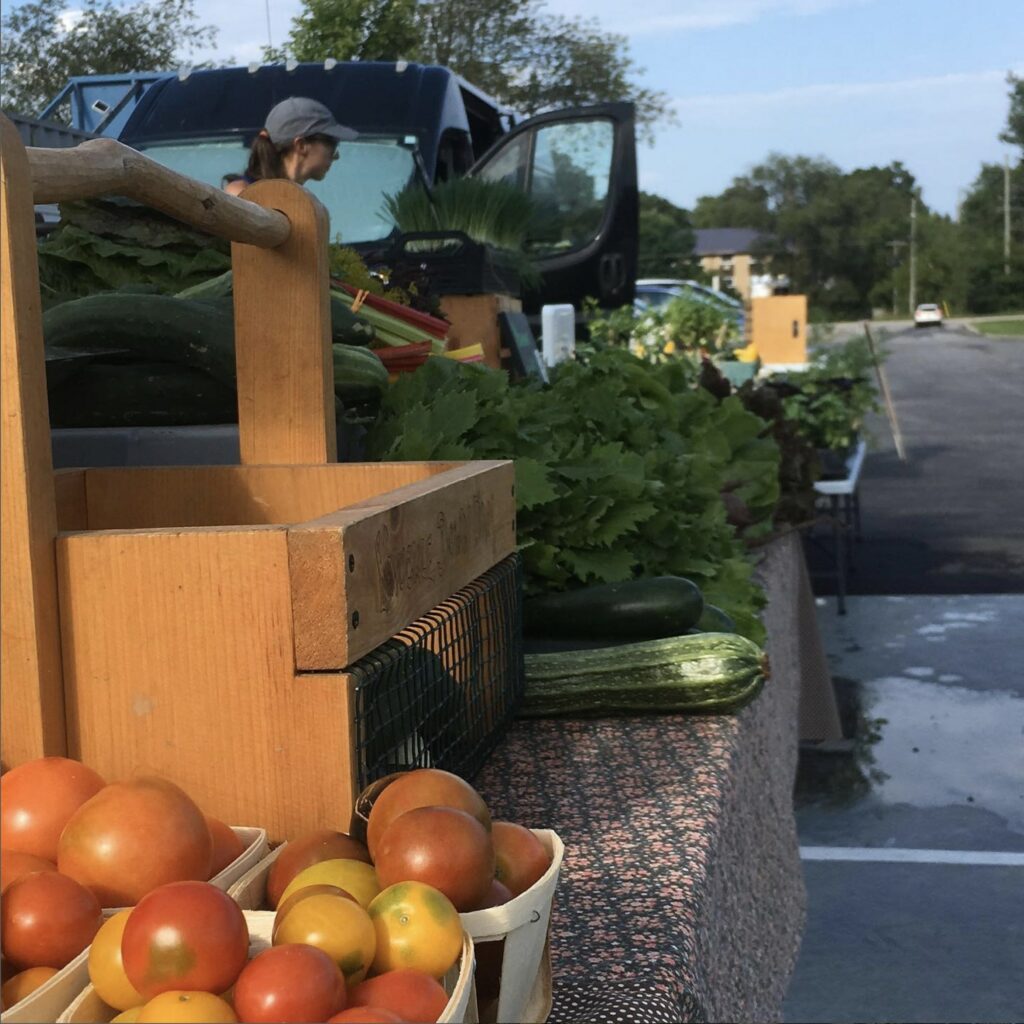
[666,239]
[515,50]
[44,44]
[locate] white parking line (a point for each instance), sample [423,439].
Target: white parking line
[888,855]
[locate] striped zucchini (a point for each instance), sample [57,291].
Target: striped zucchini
[714,673]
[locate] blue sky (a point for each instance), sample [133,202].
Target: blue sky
[860,82]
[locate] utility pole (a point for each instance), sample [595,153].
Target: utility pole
[912,291]
[1006,215]
[894,245]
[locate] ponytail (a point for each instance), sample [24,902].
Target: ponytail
[265,159]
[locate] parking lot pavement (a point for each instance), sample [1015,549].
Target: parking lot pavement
[913,840]
[949,520]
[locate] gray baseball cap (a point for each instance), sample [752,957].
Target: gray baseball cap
[299,117]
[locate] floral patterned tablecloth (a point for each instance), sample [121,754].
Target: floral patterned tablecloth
[681,895]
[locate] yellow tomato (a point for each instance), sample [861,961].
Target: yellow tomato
[24,984]
[127,1016]
[333,923]
[353,876]
[177,1007]
[417,926]
[106,971]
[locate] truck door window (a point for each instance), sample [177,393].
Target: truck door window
[512,164]
[569,185]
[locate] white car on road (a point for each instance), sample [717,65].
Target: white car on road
[927,313]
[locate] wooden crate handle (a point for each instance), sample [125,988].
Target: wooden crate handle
[103,167]
[286,407]
[32,694]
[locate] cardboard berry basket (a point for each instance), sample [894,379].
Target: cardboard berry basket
[524,985]
[53,997]
[88,1008]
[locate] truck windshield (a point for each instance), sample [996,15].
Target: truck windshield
[353,191]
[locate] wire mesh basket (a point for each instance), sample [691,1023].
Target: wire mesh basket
[441,693]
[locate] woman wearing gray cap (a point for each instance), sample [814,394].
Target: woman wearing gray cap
[299,142]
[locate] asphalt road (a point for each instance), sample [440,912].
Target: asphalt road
[949,520]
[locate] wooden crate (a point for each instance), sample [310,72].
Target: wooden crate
[196,622]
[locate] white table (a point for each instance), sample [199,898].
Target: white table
[844,502]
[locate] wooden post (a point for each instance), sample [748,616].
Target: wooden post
[32,694]
[286,407]
[474,320]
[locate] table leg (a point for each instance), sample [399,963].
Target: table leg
[837,528]
[856,514]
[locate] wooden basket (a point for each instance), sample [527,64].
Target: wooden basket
[196,622]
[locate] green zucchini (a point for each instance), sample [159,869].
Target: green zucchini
[643,609]
[712,673]
[714,620]
[151,328]
[356,372]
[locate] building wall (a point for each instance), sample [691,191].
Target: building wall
[733,271]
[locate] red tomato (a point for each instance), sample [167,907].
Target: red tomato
[439,846]
[289,983]
[309,849]
[47,920]
[366,1015]
[412,995]
[498,894]
[134,836]
[38,798]
[13,865]
[186,935]
[425,787]
[519,856]
[227,847]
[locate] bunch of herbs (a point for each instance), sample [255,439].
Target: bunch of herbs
[620,467]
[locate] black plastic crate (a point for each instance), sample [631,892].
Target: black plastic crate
[442,692]
[454,263]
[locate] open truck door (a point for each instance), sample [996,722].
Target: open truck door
[579,167]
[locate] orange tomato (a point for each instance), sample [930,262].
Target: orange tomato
[127,1016]
[412,995]
[38,798]
[106,969]
[227,847]
[425,787]
[47,920]
[417,926]
[24,984]
[332,922]
[14,864]
[182,1007]
[366,1015]
[134,836]
[353,876]
[310,848]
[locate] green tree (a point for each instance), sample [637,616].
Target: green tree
[354,30]
[666,239]
[42,46]
[1014,131]
[512,49]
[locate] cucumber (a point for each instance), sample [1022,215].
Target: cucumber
[152,328]
[714,620]
[643,609]
[348,328]
[712,673]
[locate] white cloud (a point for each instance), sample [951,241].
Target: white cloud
[691,15]
[723,104]
[69,19]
